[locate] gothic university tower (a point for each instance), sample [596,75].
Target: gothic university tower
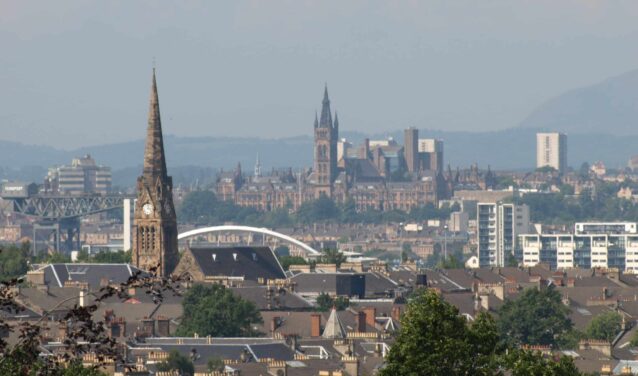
[325,158]
[154,223]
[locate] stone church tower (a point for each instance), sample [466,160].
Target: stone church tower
[154,223]
[325,158]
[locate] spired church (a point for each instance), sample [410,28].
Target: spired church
[155,226]
[155,222]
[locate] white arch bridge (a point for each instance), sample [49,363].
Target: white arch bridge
[263,231]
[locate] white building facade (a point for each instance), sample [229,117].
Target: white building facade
[593,245]
[499,225]
[551,150]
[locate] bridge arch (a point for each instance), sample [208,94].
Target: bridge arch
[258,230]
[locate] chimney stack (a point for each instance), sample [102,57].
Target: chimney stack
[63,330]
[351,365]
[82,298]
[315,325]
[371,316]
[274,324]
[396,313]
[163,326]
[148,326]
[361,322]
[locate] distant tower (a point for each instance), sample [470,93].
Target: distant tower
[154,222]
[325,158]
[551,150]
[257,167]
[411,149]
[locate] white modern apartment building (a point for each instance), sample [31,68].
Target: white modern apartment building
[592,245]
[551,150]
[498,226]
[81,177]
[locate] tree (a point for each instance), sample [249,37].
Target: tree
[215,364]
[325,302]
[83,256]
[119,257]
[333,256]
[545,169]
[451,262]
[53,258]
[604,326]
[198,207]
[532,363]
[349,211]
[321,209]
[213,310]
[13,261]
[177,362]
[536,317]
[435,340]
[282,251]
[406,249]
[286,261]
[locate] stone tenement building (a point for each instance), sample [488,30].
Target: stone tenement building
[381,175]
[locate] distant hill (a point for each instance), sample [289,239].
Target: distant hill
[197,158]
[609,107]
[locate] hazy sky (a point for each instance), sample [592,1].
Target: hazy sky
[77,72]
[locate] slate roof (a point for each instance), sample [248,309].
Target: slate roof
[281,299]
[57,274]
[230,350]
[377,284]
[248,262]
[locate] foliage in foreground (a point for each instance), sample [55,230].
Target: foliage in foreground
[435,340]
[84,335]
[536,317]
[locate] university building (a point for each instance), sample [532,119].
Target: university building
[379,174]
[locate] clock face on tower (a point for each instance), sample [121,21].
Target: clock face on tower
[147,209]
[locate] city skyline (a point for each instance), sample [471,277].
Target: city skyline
[480,70]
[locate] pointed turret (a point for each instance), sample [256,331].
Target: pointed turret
[154,159]
[333,328]
[326,117]
[336,123]
[316,120]
[257,167]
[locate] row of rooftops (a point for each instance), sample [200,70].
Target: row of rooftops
[288,306]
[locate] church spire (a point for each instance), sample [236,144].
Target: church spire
[154,159]
[336,123]
[316,120]
[326,117]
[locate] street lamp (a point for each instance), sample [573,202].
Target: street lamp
[444,243]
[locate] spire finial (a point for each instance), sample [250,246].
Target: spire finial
[325,93]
